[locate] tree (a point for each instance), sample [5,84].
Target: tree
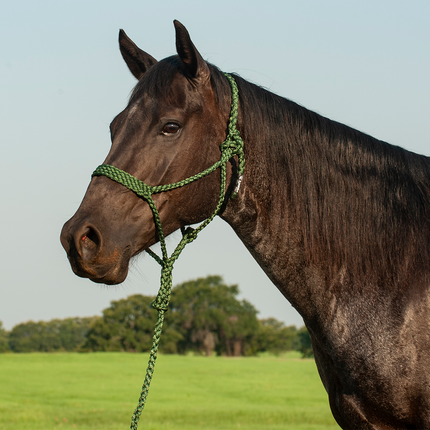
[305,345]
[4,338]
[210,318]
[49,336]
[274,336]
[128,325]
[72,331]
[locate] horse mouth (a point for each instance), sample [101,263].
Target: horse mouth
[109,270]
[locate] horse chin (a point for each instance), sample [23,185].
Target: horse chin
[111,280]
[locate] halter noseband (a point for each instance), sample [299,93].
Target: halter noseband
[232,146]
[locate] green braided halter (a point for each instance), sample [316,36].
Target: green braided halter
[233,145]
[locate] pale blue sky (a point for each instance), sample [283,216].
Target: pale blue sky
[62,80]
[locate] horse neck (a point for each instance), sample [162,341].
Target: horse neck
[320,199]
[262,216]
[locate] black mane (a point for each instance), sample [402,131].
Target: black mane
[361,203]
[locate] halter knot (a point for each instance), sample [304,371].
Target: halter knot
[234,143]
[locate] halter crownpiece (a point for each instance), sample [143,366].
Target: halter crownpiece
[232,146]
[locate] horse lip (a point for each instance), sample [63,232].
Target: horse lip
[114,274]
[110,281]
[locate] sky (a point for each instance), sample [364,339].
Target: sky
[62,80]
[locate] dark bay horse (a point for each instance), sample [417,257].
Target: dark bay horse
[338,220]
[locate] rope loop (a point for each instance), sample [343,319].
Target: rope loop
[187,232]
[190,234]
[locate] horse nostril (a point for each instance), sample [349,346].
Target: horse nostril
[89,242]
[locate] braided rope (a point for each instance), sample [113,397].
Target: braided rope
[233,145]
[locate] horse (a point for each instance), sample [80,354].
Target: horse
[338,220]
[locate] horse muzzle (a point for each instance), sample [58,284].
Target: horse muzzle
[87,254]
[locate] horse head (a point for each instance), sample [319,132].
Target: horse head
[171,129]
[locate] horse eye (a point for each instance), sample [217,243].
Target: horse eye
[170,128]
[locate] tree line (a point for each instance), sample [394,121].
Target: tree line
[205,316]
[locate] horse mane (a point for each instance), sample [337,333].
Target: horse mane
[361,204]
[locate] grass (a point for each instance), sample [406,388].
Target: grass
[100,391]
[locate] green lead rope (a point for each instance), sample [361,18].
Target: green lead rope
[233,145]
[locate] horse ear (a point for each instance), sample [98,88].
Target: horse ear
[138,61]
[195,66]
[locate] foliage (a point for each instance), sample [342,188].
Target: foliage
[4,337]
[273,336]
[304,342]
[210,318]
[204,316]
[128,325]
[54,335]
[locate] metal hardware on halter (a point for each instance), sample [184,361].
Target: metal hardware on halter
[237,187]
[239,181]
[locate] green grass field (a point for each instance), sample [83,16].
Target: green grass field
[100,391]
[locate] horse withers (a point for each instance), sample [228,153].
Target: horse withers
[338,220]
